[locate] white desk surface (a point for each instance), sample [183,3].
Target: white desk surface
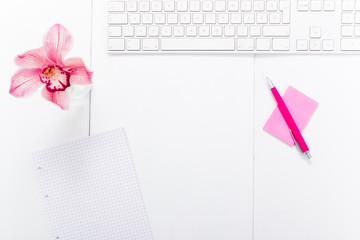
[207,169]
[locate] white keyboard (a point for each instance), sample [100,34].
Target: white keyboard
[241,26]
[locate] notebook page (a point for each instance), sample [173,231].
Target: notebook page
[90,189]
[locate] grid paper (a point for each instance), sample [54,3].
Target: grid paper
[90,189]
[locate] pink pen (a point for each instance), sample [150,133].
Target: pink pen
[289,120]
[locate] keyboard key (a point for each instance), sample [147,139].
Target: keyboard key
[235,18]
[156,6]
[144,6]
[223,18]
[204,31]
[245,6]
[229,31]
[302,45]
[198,44]
[259,6]
[346,31]
[347,5]
[357,5]
[245,44]
[347,18]
[191,31]
[185,18]
[116,6]
[131,6]
[233,6]
[315,45]
[134,18]
[169,6]
[153,31]
[195,6]
[316,5]
[284,4]
[303,6]
[182,6]
[150,44]
[262,18]
[242,31]
[274,18]
[147,18]
[271,6]
[328,45]
[249,18]
[114,31]
[128,31]
[286,10]
[140,31]
[274,31]
[133,44]
[220,6]
[179,31]
[207,6]
[118,18]
[357,17]
[172,18]
[159,18]
[198,18]
[315,32]
[216,31]
[116,44]
[357,31]
[350,44]
[329,5]
[280,44]
[263,44]
[210,18]
[166,31]
[255,31]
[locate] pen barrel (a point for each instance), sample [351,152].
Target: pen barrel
[290,120]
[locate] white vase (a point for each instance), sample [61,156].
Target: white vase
[79,93]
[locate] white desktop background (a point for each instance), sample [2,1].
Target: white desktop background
[195,129]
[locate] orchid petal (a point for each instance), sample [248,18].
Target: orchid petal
[25,82]
[57,43]
[60,98]
[73,62]
[35,58]
[79,73]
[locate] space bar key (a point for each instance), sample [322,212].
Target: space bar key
[197,44]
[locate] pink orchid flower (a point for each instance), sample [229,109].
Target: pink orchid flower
[45,66]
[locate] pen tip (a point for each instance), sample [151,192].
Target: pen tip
[270,82]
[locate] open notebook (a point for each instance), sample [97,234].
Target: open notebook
[90,189]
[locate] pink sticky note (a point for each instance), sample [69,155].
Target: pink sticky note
[301,108]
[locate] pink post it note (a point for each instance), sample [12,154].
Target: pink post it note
[301,108]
